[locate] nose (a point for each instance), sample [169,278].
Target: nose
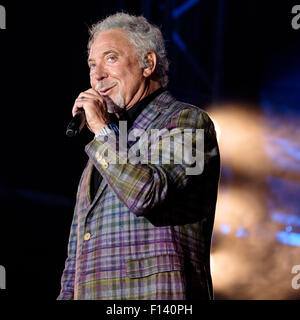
[100,72]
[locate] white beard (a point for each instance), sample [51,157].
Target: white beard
[119,100]
[113,105]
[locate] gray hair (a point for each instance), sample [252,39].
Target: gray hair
[142,35]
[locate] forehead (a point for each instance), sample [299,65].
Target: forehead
[115,39]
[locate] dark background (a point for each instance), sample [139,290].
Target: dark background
[217,49]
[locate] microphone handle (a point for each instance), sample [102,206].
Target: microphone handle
[76,124]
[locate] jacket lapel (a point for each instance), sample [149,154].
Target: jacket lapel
[143,122]
[88,176]
[153,111]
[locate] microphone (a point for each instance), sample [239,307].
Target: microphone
[76,124]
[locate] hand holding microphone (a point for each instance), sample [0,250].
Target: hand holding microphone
[90,109]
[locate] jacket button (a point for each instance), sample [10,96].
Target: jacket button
[87,236]
[104,165]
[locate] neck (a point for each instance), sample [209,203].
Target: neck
[144,91]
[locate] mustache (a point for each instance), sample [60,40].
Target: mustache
[104,84]
[112,107]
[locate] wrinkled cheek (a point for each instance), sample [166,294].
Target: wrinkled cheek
[92,80]
[115,73]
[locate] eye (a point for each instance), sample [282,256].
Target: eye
[111,59]
[92,65]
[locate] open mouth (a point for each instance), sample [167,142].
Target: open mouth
[106,91]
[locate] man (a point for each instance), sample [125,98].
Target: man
[141,229]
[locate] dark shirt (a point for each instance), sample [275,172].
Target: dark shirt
[130,116]
[132,113]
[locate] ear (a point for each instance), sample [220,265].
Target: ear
[150,59]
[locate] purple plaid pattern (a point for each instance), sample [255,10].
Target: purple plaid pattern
[150,225]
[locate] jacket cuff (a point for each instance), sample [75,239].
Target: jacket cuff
[103,153]
[107,129]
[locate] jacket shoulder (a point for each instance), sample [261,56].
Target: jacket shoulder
[182,114]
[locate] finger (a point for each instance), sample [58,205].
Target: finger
[87,102]
[77,107]
[85,95]
[90,93]
[93,91]
[83,99]
[90,98]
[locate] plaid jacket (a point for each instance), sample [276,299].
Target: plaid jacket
[147,232]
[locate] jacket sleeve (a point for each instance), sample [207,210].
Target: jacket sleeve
[142,186]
